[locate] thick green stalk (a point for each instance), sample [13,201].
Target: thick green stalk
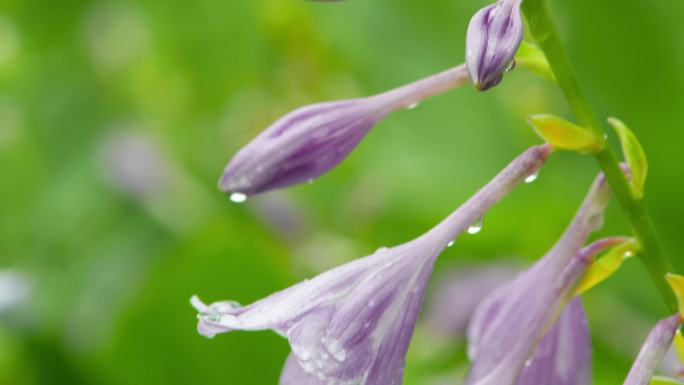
[652,254]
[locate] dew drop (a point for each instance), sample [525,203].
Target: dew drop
[510,66]
[450,244]
[528,362]
[629,254]
[341,355]
[532,177]
[310,181]
[412,106]
[238,197]
[476,227]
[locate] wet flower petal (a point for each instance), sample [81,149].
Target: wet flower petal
[509,323]
[653,351]
[563,356]
[353,324]
[309,141]
[494,35]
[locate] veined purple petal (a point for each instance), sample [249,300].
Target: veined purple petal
[309,141]
[653,351]
[353,324]
[494,35]
[508,325]
[563,356]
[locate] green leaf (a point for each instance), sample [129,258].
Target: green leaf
[603,268]
[564,135]
[530,57]
[677,284]
[657,380]
[634,155]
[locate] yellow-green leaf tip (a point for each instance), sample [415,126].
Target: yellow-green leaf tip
[564,135]
[606,266]
[677,284]
[634,156]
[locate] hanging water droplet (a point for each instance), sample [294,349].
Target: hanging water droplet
[532,177]
[238,197]
[510,66]
[412,106]
[450,244]
[629,254]
[310,181]
[476,227]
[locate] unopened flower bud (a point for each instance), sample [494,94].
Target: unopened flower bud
[494,35]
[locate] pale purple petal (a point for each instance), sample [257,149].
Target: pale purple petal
[309,141]
[563,356]
[508,325]
[293,374]
[459,292]
[494,35]
[653,351]
[354,323]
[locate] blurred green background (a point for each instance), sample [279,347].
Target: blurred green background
[117,118]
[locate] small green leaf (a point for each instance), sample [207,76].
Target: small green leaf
[604,267]
[679,346]
[677,284]
[530,57]
[657,380]
[564,135]
[634,155]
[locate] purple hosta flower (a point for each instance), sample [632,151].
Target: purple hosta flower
[353,324]
[653,351]
[307,142]
[494,35]
[563,357]
[508,325]
[459,292]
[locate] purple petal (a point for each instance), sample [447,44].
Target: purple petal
[309,141]
[458,294]
[354,323]
[494,35]
[563,356]
[653,351]
[508,324]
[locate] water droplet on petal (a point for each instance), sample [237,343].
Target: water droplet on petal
[412,106]
[511,65]
[532,177]
[341,355]
[476,227]
[213,318]
[450,244]
[528,362]
[238,197]
[310,181]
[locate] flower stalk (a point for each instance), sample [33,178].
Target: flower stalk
[652,254]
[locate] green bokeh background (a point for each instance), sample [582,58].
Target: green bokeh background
[113,264]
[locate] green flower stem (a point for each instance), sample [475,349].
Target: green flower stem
[652,254]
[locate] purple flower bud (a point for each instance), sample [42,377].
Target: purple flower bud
[653,351]
[308,142]
[494,35]
[507,326]
[353,324]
